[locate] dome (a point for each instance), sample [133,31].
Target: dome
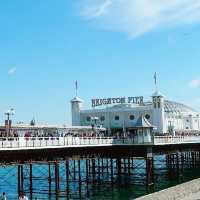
[174,107]
[157,94]
[77,99]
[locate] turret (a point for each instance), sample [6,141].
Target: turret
[158,112]
[76,106]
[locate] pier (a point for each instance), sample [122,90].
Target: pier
[85,162]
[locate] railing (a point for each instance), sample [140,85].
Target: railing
[162,140]
[42,142]
[50,142]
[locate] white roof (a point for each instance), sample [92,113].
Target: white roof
[77,99]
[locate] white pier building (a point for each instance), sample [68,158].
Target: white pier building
[164,115]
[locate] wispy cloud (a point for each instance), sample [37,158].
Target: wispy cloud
[137,17]
[195,83]
[12,71]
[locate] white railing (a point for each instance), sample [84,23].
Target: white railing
[49,142]
[176,139]
[37,142]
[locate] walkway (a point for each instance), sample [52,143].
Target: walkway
[185,191]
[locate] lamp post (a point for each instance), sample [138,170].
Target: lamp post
[8,114]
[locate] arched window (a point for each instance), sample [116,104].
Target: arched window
[131,117]
[88,118]
[116,118]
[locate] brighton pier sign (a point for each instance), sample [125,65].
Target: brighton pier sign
[119,100]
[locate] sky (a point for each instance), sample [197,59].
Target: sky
[111,47]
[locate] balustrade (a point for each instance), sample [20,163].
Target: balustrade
[69,141]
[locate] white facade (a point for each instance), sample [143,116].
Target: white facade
[76,107]
[164,115]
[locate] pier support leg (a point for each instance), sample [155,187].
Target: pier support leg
[57,178]
[67,176]
[19,179]
[87,177]
[99,172]
[119,169]
[74,170]
[149,168]
[22,178]
[79,178]
[49,177]
[31,180]
[93,169]
[111,170]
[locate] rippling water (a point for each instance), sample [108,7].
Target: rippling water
[127,186]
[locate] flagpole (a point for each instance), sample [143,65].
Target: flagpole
[155,81]
[76,85]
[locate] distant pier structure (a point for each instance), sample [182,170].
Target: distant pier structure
[73,161]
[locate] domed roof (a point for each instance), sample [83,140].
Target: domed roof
[77,99]
[157,94]
[174,107]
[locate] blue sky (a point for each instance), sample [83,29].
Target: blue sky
[111,47]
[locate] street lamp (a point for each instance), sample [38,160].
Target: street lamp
[9,113]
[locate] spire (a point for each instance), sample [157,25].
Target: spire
[157,92]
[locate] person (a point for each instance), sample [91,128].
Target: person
[3,197]
[22,196]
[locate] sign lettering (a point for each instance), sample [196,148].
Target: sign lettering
[118,100]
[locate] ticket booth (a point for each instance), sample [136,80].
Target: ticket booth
[144,130]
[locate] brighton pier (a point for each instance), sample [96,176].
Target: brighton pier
[73,160]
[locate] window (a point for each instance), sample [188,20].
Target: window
[102,118]
[117,118]
[88,118]
[131,117]
[147,116]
